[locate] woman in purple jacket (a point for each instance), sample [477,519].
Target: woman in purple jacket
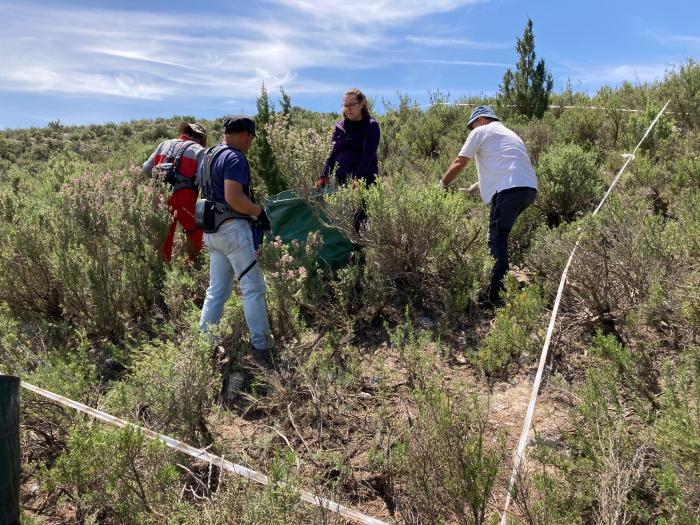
[355,142]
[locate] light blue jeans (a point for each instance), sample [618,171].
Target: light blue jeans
[230,253]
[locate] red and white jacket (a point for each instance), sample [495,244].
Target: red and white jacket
[190,163]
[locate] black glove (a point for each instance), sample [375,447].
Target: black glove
[262,222]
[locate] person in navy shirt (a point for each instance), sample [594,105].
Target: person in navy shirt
[232,254]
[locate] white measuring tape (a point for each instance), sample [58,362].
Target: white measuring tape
[203,455]
[551,106]
[522,443]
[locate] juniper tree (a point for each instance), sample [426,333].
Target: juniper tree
[285,102]
[527,90]
[261,152]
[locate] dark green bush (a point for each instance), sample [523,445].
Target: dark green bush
[157,133]
[423,245]
[682,86]
[624,252]
[116,473]
[609,445]
[517,329]
[569,183]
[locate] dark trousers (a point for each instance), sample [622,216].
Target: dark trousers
[506,206]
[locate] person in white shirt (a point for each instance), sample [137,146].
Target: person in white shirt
[506,180]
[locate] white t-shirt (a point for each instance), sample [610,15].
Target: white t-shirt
[501,159]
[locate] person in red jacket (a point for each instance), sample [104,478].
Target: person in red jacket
[190,145]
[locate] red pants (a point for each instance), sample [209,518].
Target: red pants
[182,204]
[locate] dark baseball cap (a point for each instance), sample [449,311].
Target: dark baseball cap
[238,123]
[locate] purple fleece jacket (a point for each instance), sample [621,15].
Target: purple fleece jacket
[354,151]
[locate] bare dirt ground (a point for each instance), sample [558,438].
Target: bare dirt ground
[364,416]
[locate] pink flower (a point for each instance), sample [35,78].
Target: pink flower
[290,274]
[302,271]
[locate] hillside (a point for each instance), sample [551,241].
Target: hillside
[394,392]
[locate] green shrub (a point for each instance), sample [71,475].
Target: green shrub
[677,438]
[293,278]
[518,329]
[170,387]
[439,129]
[624,252]
[157,133]
[260,156]
[580,126]
[278,503]
[83,246]
[568,183]
[423,246]
[600,473]
[300,152]
[682,86]
[446,464]
[538,135]
[638,124]
[116,473]
[13,352]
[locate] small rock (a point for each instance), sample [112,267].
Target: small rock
[426,322]
[460,359]
[234,385]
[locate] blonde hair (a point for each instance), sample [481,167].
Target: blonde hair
[361,98]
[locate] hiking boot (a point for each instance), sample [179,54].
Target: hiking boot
[486,302]
[262,357]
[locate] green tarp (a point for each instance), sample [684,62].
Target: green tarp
[292,218]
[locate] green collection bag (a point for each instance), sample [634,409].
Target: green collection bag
[292,218]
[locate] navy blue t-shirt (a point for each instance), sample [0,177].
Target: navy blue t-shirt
[232,165]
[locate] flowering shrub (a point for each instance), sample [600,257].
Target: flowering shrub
[83,246]
[292,279]
[114,225]
[300,153]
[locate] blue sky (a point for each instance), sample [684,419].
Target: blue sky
[97,61]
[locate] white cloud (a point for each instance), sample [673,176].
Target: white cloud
[475,63]
[616,74]
[155,55]
[456,42]
[151,56]
[675,40]
[374,11]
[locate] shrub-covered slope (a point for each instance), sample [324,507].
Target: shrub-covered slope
[393,392]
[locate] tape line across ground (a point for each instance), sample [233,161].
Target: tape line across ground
[522,443]
[203,455]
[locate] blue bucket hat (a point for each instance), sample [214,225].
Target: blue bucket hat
[481,111]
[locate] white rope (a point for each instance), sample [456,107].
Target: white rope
[522,443]
[203,455]
[551,106]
